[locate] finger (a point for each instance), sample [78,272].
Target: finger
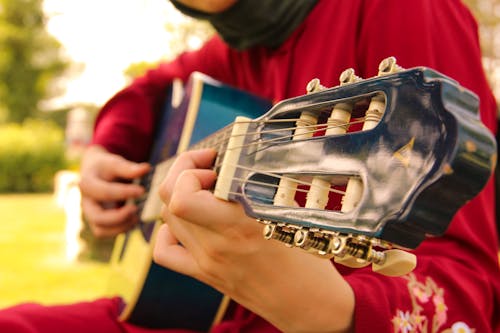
[119,167]
[98,161]
[117,215]
[169,253]
[107,232]
[191,236]
[196,159]
[108,222]
[189,185]
[101,190]
[192,202]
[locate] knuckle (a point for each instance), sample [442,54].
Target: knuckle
[164,192]
[177,206]
[206,264]
[158,255]
[212,256]
[83,185]
[164,213]
[184,155]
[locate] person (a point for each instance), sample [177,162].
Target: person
[273,48]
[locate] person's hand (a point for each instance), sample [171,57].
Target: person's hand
[105,187]
[224,248]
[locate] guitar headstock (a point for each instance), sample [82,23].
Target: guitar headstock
[375,163]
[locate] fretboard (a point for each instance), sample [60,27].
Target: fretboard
[152,205]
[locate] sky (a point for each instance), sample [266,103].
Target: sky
[105,36]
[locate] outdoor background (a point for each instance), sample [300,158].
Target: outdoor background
[59,61]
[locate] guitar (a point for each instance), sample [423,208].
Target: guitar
[349,172]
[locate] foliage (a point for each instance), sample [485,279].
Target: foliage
[138,69]
[185,35]
[486,13]
[30,155]
[29,62]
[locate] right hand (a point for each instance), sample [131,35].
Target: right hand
[106,190]
[224,248]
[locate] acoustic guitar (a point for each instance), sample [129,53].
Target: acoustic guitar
[350,173]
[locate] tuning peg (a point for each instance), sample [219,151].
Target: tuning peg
[396,263]
[348,76]
[388,66]
[314,86]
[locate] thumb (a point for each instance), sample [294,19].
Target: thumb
[169,253]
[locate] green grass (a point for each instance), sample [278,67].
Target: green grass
[33,264]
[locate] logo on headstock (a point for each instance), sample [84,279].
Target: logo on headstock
[404,153]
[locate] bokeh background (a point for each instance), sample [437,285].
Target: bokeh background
[60,60]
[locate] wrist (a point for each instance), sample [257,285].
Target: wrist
[300,293]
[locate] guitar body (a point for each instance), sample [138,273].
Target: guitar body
[154,296]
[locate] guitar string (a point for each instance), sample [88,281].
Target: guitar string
[223,133]
[316,128]
[278,176]
[225,139]
[222,141]
[275,175]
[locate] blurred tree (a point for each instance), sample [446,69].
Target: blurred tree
[487,13]
[138,68]
[185,34]
[29,62]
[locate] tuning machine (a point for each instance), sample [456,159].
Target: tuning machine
[354,251]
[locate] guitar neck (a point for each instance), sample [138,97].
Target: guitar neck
[152,205]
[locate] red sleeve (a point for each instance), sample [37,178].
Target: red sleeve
[125,124]
[456,283]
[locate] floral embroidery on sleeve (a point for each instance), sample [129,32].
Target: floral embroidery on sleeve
[414,321]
